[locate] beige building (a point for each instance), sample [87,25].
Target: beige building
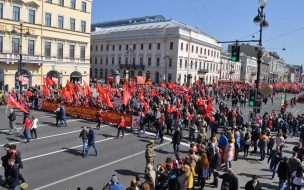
[159,49]
[55,41]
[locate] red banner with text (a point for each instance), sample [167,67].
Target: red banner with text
[89,113]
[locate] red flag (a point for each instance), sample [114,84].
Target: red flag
[196,82]
[80,89]
[28,94]
[163,85]
[12,102]
[46,91]
[141,94]
[48,81]
[107,100]
[99,89]
[171,85]
[65,94]
[88,89]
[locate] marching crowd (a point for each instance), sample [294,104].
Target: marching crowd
[165,111]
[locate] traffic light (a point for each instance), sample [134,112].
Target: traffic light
[252,96]
[201,80]
[252,116]
[235,53]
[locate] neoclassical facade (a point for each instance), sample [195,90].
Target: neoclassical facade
[249,68]
[54,41]
[229,69]
[158,49]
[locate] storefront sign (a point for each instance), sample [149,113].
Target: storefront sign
[24,57]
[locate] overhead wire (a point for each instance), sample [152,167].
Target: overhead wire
[284,34]
[198,16]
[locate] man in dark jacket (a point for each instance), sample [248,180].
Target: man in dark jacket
[275,157]
[91,141]
[255,134]
[176,139]
[5,159]
[84,136]
[215,165]
[253,184]
[299,150]
[13,174]
[16,155]
[229,179]
[12,119]
[58,113]
[283,173]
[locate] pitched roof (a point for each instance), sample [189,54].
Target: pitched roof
[32,4]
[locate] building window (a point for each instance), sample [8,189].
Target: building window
[113,47]
[217,54]
[31,16]
[30,47]
[127,47]
[16,13]
[47,49]
[107,60]
[182,46]
[60,21]
[112,60]
[134,46]
[83,26]
[84,6]
[101,73]
[141,61]
[150,46]
[212,53]
[186,63]
[149,61]
[192,48]
[72,51]
[1,10]
[49,1]
[170,62]
[95,60]
[15,45]
[158,46]
[157,61]
[127,61]
[196,49]
[204,65]
[73,4]
[196,64]
[82,53]
[96,48]
[101,47]
[200,65]
[141,46]
[119,60]
[187,47]
[208,52]
[119,47]
[60,51]
[133,60]
[72,24]
[171,45]
[201,51]
[61,2]
[204,51]
[101,61]
[191,64]
[1,44]
[48,19]
[180,63]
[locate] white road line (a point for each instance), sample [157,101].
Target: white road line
[60,134]
[67,149]
[169,139]
[97,168]
[68,121]
[294,114]
[47,116]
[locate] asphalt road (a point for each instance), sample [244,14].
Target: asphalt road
[54,160]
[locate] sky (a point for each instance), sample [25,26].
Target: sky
[225,20]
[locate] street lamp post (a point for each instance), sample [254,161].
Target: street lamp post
[260,20]
[166,57]
[20,51]
[129,52]
[221,63]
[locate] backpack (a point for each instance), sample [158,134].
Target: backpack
[248,141]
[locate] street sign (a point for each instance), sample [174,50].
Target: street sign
[266,90]
[283,99]
[251,116]
[20,78]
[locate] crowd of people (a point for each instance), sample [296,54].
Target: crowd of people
[165,110]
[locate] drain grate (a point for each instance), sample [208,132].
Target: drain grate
[253,161]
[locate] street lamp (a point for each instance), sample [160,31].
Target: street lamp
[260,20]
[166,57]
[221,63]
[129,52]
[21,22]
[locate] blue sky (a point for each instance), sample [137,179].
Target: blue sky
[225,20]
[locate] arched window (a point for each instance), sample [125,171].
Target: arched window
[139,73]
[147,75]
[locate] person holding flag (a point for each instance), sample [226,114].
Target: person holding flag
[12,119]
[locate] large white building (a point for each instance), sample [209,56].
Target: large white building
[249,68]
[229,69]
[159,49]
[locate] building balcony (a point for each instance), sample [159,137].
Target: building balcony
[131,66]
[202,71]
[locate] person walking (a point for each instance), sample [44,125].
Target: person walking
[99,115]
[283,173]
[141,123]
[215,165]
[26,127]
[262,144]
[16,155]
[253,184]
[299,150]
[229,154]
[34,127]
[58,113]
[84,136]
[229,179]
[121,127]
[91,141]
[13,175]
[275,157]
[12,121]
[204,170]
[63,117]
[162,128]
[297,177]
[176,140]
[149,153]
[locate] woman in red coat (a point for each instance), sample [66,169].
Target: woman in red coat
[26,127]
[121,127]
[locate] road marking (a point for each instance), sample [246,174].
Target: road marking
[47,116]
[67,149]
[68,121]
[296,112]
[92,170]
[168,139]
[60,134]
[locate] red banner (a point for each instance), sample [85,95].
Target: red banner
[89,113]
